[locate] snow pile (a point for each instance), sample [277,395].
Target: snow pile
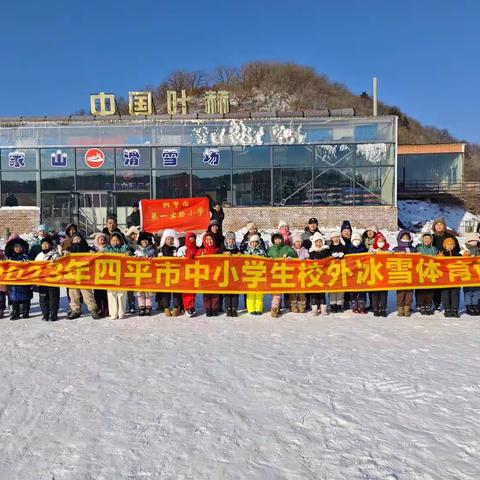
[253,397]
[418,215]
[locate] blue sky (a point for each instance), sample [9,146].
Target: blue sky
[426,53]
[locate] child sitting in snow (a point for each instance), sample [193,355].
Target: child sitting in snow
[318,251]
[404,297]
[298,301]
[145,249]
[255,300]
[472,294]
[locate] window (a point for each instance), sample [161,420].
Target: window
[18,160]
[211,158]
[333,186]
[23,185]
[339,155]
[292,156]
[58,159]
[371,154]
[132,157]
[57,180]
[172,157]
[251,187]
[212,183]
[292,186]
[99,158]
[171,184]
[94,181]
[132,180]
[127,199]
[57,209]
[374,185]
[256,157]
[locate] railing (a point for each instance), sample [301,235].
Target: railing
[438,187]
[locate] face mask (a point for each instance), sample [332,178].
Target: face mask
[381,244]
[356,243]
[46,250]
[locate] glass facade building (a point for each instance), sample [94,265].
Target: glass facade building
[108,164]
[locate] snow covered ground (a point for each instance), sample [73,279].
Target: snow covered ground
[298,397]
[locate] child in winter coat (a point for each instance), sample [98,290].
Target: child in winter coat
[451,296]
[117,298]
[357,299]
[255,300]
[404,297]
[252,229]
[346,232]
[298,301]
[380,298]
[145,249]
[284,231]
[3,291]
[472,294]
[229,247]
[189,250]
[368,236]
[424,296]
[318,251]
[278,249]
[211,301]
[49,297]
[168,248]
[19,296]
[101,241]
[337,250]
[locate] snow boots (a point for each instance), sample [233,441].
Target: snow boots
[275,312]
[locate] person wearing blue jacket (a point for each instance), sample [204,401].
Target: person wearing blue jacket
[19,296]
[357,299]
[404,297]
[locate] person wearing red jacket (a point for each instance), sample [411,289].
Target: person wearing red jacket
[211,301]
[379,298]
[189,250]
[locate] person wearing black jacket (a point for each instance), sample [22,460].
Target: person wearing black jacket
[337,250]
[216,230]
[450,296]
[217,213]
[252,229]
[229,247]
[310,230]
[133,220]
[357,299]
[318,251]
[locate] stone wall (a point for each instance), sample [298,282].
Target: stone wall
[297,217]
[19,219]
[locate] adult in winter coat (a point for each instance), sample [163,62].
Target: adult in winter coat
[472,294]
[404,297]
[133,220]
[49,297]
[229,247]
[19,296]
[217,213]
[278,249]
[318,251]
[211,301]
[424,296]
[252,229]
[337,250]
[380,298]
[358,300]
[450,296]
[310,230]
[100,242]
[80,245]
[189,250]
[298,301]
[70,230]
[368,236]
[169,245]
[440,233]
[41,232]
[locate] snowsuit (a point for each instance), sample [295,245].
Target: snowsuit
[254,301]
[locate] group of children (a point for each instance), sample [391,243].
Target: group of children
[311,244]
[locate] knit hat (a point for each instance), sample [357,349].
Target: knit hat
[317,236]
[132,231]
[42,228]
[251,225]
[296,238]
[254,238]
[214,222]
[282,223]
[230,235]
[357,236]
[346,225]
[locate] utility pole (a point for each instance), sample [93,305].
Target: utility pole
[375,96]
